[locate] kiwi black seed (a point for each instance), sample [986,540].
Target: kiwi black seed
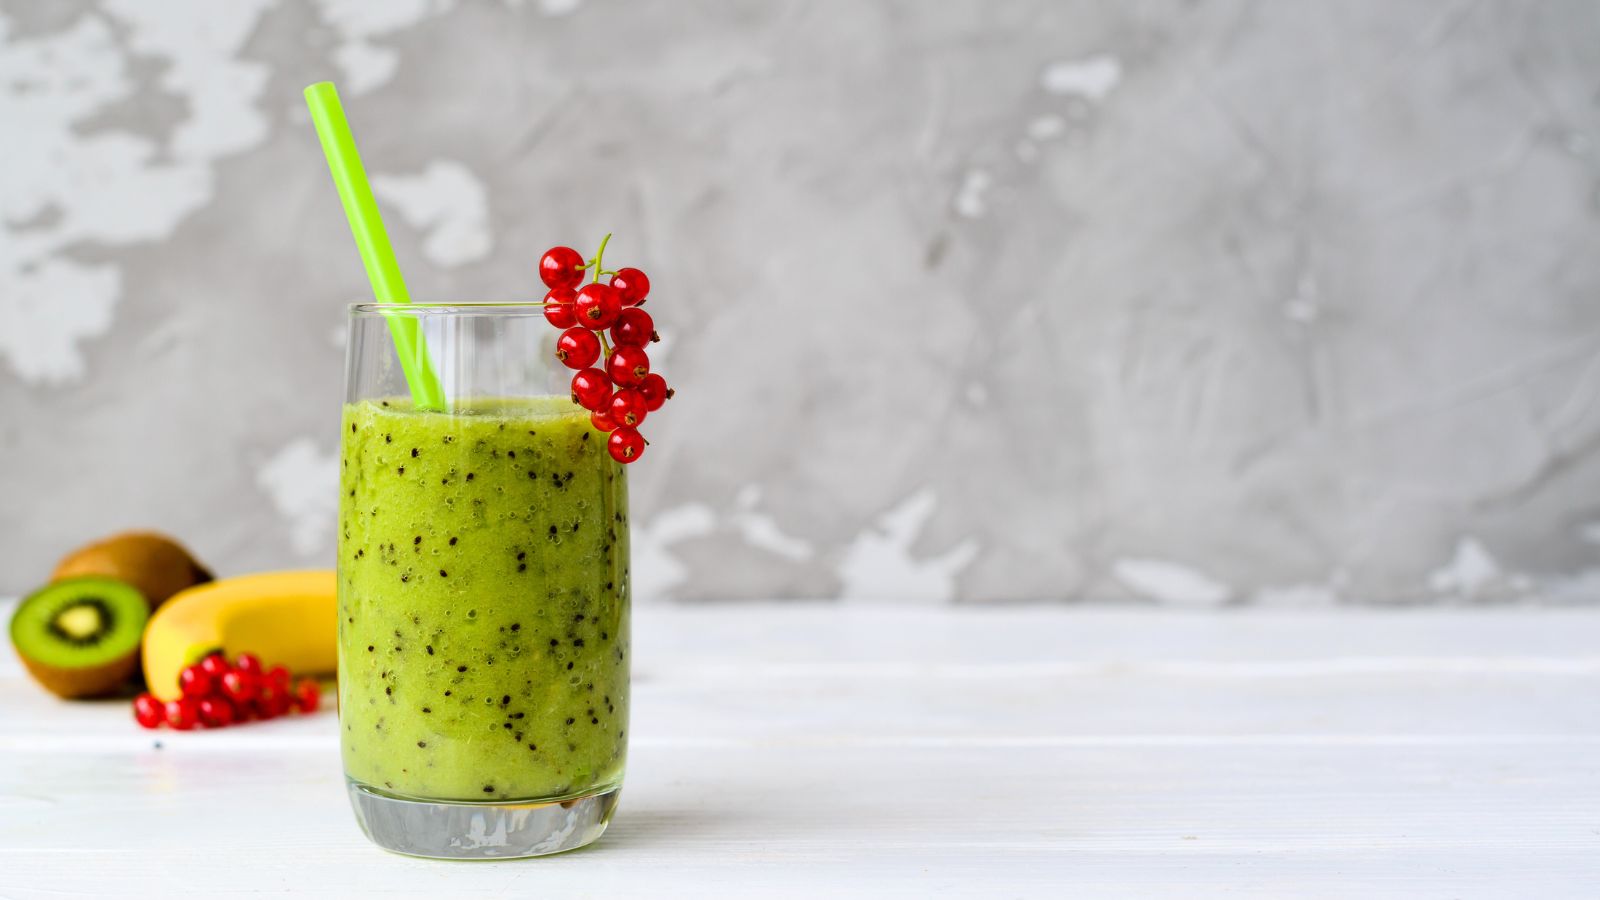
[80,637]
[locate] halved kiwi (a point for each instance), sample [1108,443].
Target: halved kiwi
[80,637]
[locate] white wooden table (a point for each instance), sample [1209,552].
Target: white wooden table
[821,752]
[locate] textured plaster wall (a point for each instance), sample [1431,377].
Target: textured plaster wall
[1189,302]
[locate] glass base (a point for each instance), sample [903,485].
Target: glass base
[443,829]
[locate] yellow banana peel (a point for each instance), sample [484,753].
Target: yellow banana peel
[286,618]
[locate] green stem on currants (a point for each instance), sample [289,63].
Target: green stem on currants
[599,255]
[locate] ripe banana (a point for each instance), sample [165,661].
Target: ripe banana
[285,618]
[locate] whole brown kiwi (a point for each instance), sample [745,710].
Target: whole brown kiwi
[152,562]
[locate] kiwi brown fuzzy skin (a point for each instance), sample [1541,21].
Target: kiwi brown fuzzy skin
[152,562]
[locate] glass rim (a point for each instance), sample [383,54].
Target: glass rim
[450,308]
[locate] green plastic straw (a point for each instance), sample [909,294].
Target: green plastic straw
[366,225]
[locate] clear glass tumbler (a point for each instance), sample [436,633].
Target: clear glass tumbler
[483,593]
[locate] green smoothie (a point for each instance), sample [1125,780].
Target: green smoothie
[483,601]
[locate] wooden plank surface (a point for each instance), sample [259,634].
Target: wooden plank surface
[812,750]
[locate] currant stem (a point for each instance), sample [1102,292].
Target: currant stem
[599,255]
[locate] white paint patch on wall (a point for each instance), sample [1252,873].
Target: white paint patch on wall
[303,484]
[1092,77]
[447,202]
[761,530]
[1303,307]
[1046,128]
[969,199]
[141,189]
[199,41]
[559,7]
[1470,570]
[1170,582]
[366,66]
[878,565]
[39,330]
[655,570]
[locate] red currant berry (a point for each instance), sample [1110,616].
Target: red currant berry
[239,687]
[627,408]
[279,675]
[601,421]
[561,267]
[591,389]
[561,315]
[148,711]
[307,696]
[655,391]
[273,702]
[182,714]
[215,712]
[634,328]
[248,663]
[577,348]
[631,285]
[628,366]
[597,306]
[626,445]
[196,682]
[215,665]
[558,307]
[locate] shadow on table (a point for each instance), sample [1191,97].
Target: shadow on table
[634,829]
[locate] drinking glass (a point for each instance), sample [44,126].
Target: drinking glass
[483,592]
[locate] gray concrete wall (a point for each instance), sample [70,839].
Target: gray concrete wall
[1193,302]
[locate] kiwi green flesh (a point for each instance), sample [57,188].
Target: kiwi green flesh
[80,622]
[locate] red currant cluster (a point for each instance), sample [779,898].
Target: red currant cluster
[619,395]
[217,693]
